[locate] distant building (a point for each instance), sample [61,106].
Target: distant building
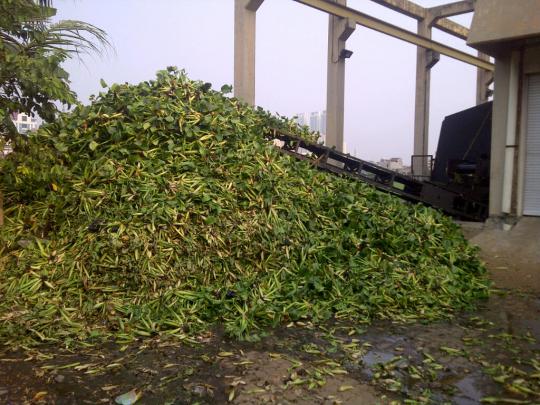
[302,119]
[395,164]
[5,149]
[316,121]
[25,123]
[323,123]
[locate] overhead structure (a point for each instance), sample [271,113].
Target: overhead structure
[342,21]
[413,10]
[384,27]
[425,60]
[418,12]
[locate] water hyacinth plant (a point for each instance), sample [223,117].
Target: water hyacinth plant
[161,209]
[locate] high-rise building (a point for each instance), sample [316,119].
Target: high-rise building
[302,119]
[323,123]
[316,121]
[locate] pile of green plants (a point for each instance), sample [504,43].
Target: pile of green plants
[161,209]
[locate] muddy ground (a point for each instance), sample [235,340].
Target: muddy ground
[491,355]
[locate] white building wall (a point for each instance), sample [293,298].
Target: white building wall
[25,123]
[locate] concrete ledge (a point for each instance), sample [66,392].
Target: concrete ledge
[512,256]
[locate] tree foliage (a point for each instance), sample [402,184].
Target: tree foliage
[32,50]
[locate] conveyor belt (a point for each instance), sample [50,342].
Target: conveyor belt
[449,201]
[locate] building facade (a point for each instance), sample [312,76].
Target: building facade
[25,123]
[395,164]
[510,32]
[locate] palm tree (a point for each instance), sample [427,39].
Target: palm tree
[32,50]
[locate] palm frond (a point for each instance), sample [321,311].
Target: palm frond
[78,37]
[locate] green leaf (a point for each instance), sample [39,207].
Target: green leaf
[226,89]
[210,220]
[93,145]
[102,82]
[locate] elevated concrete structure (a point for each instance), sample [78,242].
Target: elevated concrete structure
[245,15]
[425,60]
[510,31]
[500,24]
[342,22]
[418,12]
[339,30]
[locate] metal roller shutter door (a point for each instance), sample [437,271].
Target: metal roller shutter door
[531,197]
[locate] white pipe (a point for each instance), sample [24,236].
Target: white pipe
[511,123]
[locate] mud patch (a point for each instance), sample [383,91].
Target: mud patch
[276,378]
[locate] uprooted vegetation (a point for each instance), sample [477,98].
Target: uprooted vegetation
[161,209]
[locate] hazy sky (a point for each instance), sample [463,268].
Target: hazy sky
[197,35]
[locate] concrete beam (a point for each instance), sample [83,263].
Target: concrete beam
[451,9]
[404,7]
[484,79]
[347,27]
[342,29]
[244,49]
[365,20]
[413,10]
[339,30]
[432,58]
[452,28]
[421,105]
[253,5]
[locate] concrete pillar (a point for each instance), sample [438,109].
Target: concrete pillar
[498,134]
[483,79]
[244,49]
[339,29]
[509,174]
[421,105]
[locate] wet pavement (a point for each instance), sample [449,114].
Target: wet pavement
[491,355]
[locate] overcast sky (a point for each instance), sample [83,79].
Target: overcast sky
[197,35]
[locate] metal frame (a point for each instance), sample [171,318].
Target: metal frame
[425,192]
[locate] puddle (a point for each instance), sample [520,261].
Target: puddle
[470,387]
[374,357]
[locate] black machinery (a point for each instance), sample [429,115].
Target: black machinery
[463,153]
[459,183]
